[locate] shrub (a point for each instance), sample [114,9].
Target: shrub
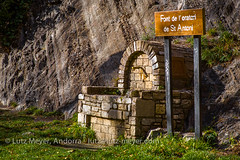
[210,136]
[149,33]
[218,49]
[29,111]
[76,131]
[13,104]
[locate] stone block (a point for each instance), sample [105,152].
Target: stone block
[148,85]
[87,98]
[120,85]
[85,89]
[139,62]
[120,100]
[149,70]
[100,98]
[177,110]
[108,139]
[160,109]
[159,124]
[113,130]
[115,114]
[100,120]
[156,72]
[176,94]
[104,129]
[127,126]
[96,127]
[97,114]
[107,98]
[176,101]
[95,109]
[186,103]
[128,100]
[125,115]
[151,78]
[145,108]
[140,84]
[86,109]
[82,118]
[147,95]
[147,121]
[116,123]
[145,62]
[81,96]
[94,120]
[134,121]
[175,116]
[104,114]
[155,66]
[159,95]
[137,77]
[100,136]
[129,108]
[122,106]
[154,59]
[115,106]
[106,106]
[107,122]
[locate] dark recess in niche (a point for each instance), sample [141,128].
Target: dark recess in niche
[54,2]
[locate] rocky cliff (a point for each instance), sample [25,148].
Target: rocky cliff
[66,44]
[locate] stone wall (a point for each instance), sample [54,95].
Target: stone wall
[141,74]
[111,116]
[142,67]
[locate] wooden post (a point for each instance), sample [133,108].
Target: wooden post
[197,86]
[168,83]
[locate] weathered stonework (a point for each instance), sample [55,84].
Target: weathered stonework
[132,117]
[142,67]
[141,76]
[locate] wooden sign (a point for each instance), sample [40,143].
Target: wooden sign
[179,23]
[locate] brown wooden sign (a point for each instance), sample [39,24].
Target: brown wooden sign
[179,23]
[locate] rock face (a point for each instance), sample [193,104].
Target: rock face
[221,102]
[67,44]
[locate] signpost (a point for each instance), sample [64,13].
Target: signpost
[181,23]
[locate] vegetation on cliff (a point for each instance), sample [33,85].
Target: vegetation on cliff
[12,15]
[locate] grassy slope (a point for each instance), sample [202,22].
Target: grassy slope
[19,128]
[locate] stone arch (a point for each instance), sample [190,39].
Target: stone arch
[132,53]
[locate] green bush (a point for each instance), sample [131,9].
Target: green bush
[13,104]
[221,48]
[210,136]
[29,111]
[149,33]
[76,131]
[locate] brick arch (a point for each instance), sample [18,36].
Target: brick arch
[134,50]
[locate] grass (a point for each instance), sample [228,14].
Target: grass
[22,137]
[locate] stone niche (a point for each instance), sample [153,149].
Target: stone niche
[138,103]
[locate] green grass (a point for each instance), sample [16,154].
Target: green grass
[19,134]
